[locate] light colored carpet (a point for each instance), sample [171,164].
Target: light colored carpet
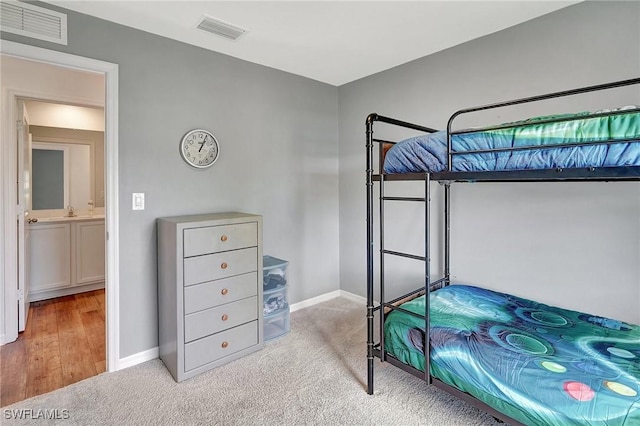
[314,375]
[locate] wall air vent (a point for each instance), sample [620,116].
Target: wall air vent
[32,21]
[222,29]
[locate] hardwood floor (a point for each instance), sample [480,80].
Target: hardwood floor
[64,342]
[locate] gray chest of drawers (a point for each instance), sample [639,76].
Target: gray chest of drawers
[209,290]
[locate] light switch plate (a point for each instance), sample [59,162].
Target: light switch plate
[138,201]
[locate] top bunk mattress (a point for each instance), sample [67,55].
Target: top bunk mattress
[538,364]
[428,153]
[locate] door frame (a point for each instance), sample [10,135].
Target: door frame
[8,210]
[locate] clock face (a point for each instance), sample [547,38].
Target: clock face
[199,148]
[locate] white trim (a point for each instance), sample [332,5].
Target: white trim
[154,353]
[112,218]
[314,300]
[325,297]
[8,231]
[50,294]
[353,297]
[8,213]
[139,358]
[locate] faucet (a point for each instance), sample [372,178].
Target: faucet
[70,212]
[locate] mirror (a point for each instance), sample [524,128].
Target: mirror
[60,175]
[47,179]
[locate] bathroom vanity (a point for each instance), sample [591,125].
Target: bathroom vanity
[66,256]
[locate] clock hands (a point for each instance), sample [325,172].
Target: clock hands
[202,143]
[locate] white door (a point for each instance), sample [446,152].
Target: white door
[24,206]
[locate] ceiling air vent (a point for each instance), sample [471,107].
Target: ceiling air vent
[32,21]
[222,29]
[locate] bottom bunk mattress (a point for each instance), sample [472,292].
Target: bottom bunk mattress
[538,364]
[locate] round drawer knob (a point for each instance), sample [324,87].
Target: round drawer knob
[225,317]
[224,265]
[225,344]
[224,238]
[224,291]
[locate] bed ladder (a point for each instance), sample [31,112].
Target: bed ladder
[383,251]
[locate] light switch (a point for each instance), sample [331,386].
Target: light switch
[138,201]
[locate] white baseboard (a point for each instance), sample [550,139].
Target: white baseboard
[2,342]
[51,294]
[325,297]
[138,358]
[353,297]
[154,353]
[315,300]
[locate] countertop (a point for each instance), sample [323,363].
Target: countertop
[60,219]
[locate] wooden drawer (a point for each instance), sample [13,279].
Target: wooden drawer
[220,345]
[213,293]
[211,267]
[209,321]
[212,239]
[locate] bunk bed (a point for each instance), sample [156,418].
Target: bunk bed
[521,361]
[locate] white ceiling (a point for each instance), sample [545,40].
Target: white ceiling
[330,41]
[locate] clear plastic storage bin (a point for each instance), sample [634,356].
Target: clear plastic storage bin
[274,297]
[274,273]
[275,301]
[276,325]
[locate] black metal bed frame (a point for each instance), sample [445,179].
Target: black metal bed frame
[446,178]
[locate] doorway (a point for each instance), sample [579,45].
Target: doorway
[64,199]
[9,291]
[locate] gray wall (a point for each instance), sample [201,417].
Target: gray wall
[278,157]
[571,244]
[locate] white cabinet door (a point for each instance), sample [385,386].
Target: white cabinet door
[50,257]
[89,252]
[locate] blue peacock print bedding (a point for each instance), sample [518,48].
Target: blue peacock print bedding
[538,364]
[428,153]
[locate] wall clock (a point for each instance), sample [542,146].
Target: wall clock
[199,148]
